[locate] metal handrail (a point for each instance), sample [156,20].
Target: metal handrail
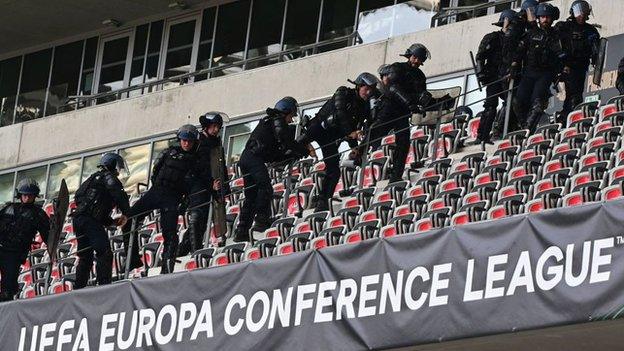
[447,12]
[186,77]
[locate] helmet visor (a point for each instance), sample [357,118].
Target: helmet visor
[581,9]
[122,169]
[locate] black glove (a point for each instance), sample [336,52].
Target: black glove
[482,78]
[514,72]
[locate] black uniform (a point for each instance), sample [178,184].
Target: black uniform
[580,43]
[95,199]
[619,84]
[541,55]
[493,61]
[341,115]
[19,223]
[169,186]
[406,94]
[271,141]
[200,196]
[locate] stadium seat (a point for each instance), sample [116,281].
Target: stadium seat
[612,192]
[285,248]
[572,199]
[352,238]
[388,231]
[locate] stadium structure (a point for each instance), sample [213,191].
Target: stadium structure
[517,247]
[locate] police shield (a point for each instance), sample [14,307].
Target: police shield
[57,220]
[601,58]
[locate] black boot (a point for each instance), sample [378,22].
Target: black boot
[321,205]
[241,233]
[533,118]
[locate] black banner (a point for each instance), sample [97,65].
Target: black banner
[524,272]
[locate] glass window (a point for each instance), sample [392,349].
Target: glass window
[137,159]
[153,51]
[9,77]
[35,75]
[6,187]
[113,69]
[88,65]
[266,31]
[236,137]
[390,21]
[205,41]
[68,170]
[302,18]
[65,75]
[231,35]
[138,55]
[89,166]
[338,20]
[38,174]
[179,49]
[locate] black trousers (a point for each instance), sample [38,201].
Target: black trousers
[401,129]
[10,262]
[533,90]
[329,141]
[493,93]
[574,87]
[92,237]
[167,201]
[197,226]
[258,192]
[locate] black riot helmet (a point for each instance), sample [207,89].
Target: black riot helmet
[390,71]
[187,132]
[287,105]
[365,78]
[547,10]
[113,162]
[27,186]
[418,50]
[529,5]
[213,117]
[509,15]
[463,110]
[580,8]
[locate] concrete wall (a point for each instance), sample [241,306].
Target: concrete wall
[248,92]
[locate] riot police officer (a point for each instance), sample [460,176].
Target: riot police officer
[341,117]
[405,93]
[199,196]
[493,60]
[19,223]
[271,141]
[95,199]
[540,56]
[581,42]
[169,187]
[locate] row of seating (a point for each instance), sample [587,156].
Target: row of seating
[558,166]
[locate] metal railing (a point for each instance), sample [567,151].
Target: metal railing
[448,15]
[82,101]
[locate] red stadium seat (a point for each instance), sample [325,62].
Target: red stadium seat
[573,199]
[388,231]
[285,248]
[352,237]
[612,192]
